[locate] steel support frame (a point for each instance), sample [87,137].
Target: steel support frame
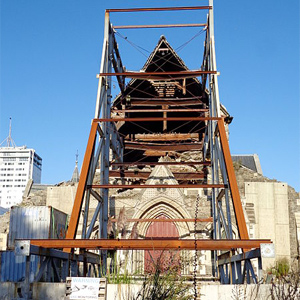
[150,244]
[216,146]
[238,269]
[104,138]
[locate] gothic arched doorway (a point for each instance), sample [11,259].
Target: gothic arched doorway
[164,258]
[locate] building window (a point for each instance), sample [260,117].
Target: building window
[9,159]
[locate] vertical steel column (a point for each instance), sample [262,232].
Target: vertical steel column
[106,129]
[214,111]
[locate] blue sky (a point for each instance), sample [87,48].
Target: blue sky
[50,55]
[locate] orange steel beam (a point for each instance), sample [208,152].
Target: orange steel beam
[209,219]
[74,219]
[114,10]
[161,163]
[160,110]
[155,186]
[149,244]
[239,214]
[158,119]
[158,26]
[145,175]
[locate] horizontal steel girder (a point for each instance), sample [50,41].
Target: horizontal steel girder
[158,119]
[159,26]
[145,175]
[156,186]
[159,110]
[149,244]
[161,163]
[209,219]
[114,10]
[159,75]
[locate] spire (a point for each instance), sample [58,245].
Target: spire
[75,176]
[9,141]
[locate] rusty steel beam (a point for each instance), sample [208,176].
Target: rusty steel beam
[145,175]
[158,26]
[160,75]
[209,219]
[149,244]
[163,147]
[158,119]
[115,10]
[159,110]
[74,219]
[155,186]
[237,204]
[161,163]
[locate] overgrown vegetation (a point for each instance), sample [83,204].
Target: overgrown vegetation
[164,283]
[117,273]
[285,284]
[281,268]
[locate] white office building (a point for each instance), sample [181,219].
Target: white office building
[17,166]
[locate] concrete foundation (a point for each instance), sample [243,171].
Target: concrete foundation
[56,291]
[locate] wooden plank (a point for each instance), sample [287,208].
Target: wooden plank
[163,147]
[177,103]
[165,137]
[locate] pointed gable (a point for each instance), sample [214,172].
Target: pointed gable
[164,58]
[161,175]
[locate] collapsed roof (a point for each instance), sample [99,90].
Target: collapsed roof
[168,96]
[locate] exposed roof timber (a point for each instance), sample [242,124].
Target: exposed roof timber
[176,103]
[165,98]
[145,175]
[159,26]
[160,75]
[159,119]
[163,147]
[114,10]
[165,137]
[149,244]
[158,153]
[160,110]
